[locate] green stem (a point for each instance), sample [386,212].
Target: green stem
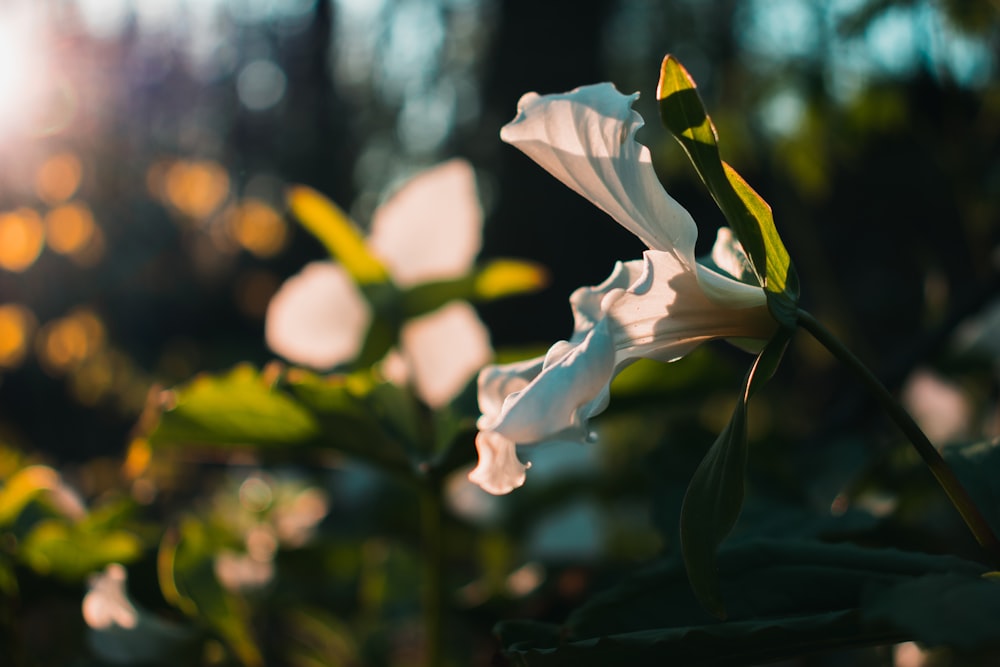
[957,494]
[431,512]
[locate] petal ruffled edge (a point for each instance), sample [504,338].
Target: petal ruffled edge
[499,470]
[586,139]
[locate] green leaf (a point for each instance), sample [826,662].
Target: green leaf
[22,487]
[187,579]
[948,609]
[335,230]
[372,420]
[683,113]
[239,407]
[715,495]
[978,468]
[71,552]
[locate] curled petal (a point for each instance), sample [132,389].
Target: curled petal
[443,350]
[570,387]
[655,308]
[586,139]
[499,470]
[431,229]
[318,318]
[496,382]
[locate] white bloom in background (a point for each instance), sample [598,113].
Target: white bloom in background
[941,408]
[122,633]
[430,230]
[106,604]
[660,307]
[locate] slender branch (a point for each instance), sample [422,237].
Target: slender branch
[945,476]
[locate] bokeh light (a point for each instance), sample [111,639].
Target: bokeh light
[21,239]
[58,178]
[196,188]
[260,85]
[257,227]
[67,342]
[17,325]
[69,228]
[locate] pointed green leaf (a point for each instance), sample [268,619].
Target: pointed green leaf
[335,230]
[714,497]
[683,113]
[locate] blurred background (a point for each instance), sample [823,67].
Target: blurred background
[145,147]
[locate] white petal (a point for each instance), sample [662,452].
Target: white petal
[667,310]
[586,139]
[663,314]
[729,256]
[318,318]
[431,229]
[445,349]
[496,382]
[571,386]
[107,604]
[499,470]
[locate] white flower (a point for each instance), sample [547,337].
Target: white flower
[106,604]
[659,307]
[123,633]
[430,230]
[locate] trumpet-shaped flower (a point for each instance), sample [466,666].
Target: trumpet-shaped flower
[430,230]
[659,307]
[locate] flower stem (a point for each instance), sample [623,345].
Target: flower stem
[431,511]
[945,476]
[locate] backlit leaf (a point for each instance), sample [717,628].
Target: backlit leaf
[683,113]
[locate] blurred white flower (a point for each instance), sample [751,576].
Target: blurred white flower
[122,633]
[106,604]
[242,571]
[430,230]
[941,408]
[660,307]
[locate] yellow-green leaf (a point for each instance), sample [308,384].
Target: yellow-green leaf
[683,113]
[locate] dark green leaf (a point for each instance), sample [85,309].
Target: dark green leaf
[949,609]
[978,468]
[715,495]
[786,598]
